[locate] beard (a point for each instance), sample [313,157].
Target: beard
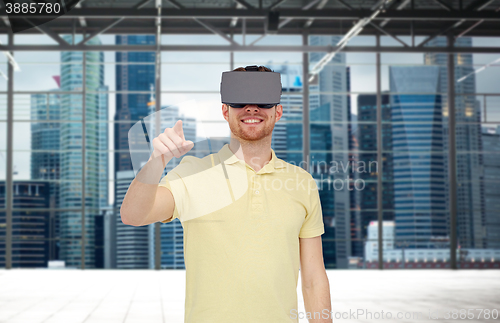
[251,133]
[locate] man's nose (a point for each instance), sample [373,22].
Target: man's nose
[251,107]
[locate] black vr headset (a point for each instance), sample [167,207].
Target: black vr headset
[239,89]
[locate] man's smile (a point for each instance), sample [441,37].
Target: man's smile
[251,120]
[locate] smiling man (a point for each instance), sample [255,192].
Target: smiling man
[250,219]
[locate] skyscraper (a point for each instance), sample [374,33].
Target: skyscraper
[418,163]
[367,144]
[74,108]
[470,201]
[32,230]
[328,101]
[135,72]
[491,146]
[45,165]
[289,129]
[135,77]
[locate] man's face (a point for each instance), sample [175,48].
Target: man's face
[252,123]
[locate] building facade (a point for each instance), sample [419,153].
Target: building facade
[418,162]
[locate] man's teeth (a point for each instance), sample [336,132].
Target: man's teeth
[252,121]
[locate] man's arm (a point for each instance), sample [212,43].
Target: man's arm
[315,285]
[144,202]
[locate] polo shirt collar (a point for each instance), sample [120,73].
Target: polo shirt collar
[228,157]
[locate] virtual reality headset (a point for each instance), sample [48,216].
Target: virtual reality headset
[238,88]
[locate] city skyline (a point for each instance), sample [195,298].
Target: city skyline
[337,107]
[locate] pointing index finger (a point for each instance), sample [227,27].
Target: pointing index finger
[178,129]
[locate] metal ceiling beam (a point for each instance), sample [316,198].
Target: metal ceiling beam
[83,22]
[306,7]
[356,29]
[176,4]
[401,6]
[441,32]
[131,27]
[207,25]
[444,5]
[244,4]
[100,31]
[320,5]
[48,32]
[345,4]
[324,14]
[478,5]
[44,29]
[234,20]
[276,4]
[286,21]
[469,29]
[215,31]
[474,25]
[388,34]
[239,48]
[114,23]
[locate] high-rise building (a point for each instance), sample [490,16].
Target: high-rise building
[491,160]
[288,136]
[135,79]
[418,163]
[135,72]
[289,129]
[470,200]
[45,135]
[330,142]
[45,165]
[33,231]
[75,108]
[367,145]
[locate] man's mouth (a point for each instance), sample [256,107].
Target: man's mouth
[251,121]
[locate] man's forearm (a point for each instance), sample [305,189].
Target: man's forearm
[317,300]
[140,197]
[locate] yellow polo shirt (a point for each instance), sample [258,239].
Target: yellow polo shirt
[241,236]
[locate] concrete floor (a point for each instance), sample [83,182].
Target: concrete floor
[92,296]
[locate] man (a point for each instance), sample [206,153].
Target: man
[249,218]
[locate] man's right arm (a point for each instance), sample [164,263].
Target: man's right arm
[145,202]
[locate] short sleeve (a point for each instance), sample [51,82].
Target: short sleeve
[166,183]
[313,225]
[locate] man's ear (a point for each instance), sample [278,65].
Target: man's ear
[279,112]
[225,111]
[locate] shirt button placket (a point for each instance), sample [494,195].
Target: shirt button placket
[257,196]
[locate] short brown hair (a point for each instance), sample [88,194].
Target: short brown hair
[261,69]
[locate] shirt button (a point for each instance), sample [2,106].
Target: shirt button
[257,192]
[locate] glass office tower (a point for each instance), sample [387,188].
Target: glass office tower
[135,72]
[330,142]
[74,108]
[418,163]
[46,165]
[470,200]
[491,160]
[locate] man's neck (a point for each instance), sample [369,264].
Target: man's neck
[255,153]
